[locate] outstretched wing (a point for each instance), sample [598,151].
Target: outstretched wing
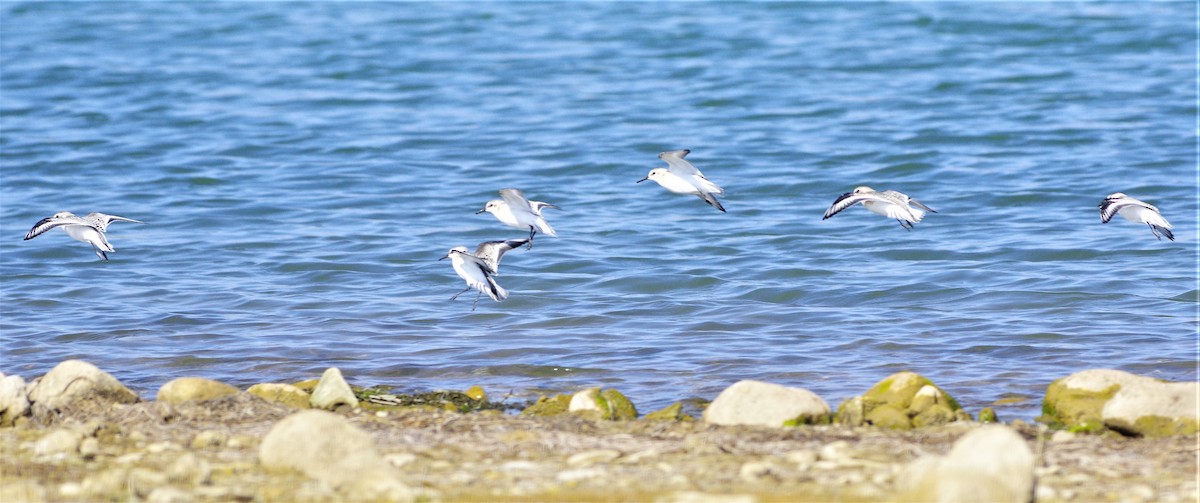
[101,221]
[490,252]
[538,206]
[516,200]
[1110,207]
[845,201]
[48,223]
[686,171]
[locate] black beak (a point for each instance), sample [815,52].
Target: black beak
[481,211]
[642,180]
[444,258]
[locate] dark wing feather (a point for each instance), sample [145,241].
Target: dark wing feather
[46,224]
[844,201]
[490,252]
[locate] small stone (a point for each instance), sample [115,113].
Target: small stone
[144,480]
[13,400]
[161,447]
[1062,436]
[1045,493]
[766,404]
[804,460]
[837,451]
[607,404]
[58,442]
[106,484]
[476,393]
[193,389]
[169,495]
[332,391]
[400,459]
[755,471]
[208,438]
[1140,492]
[281,393]
[579,474]
[189,470]
[988,415]
[850,412]
[89,448]
[69,490]
[593,457]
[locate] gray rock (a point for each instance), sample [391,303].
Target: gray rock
[328,448]
[77,383]
[13,400]
[766,404]
[58,442]
[989,464]
[193,389]
[332,391]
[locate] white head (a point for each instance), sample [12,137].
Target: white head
[656,174]
[63,214]
[1116,195]
[492,206]
[456,249]
[862,189]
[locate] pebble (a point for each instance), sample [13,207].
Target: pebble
[1062,436]
[189,469]
[1140,492]
[169,495]
[208,438]
[579,474]
[804,460]
[89,448]
[58,442]
[70,490]
[161,447]
[754,471]
[593,457]
[400,459]
[640,456]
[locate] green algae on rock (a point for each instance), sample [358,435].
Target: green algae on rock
[607,404]
[193,389]
[902,401]
[548,406]
[281,393]
[1099,399]
[673,412]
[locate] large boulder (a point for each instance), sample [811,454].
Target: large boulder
[326,447]
[193,389]
[1131,404]
[76,383]
[13,400]
[765,404]
[607,404]
[902,401]
[989,464]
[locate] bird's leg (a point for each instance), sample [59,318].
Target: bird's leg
[476,303]
[465,290]
[100,253]
[907,226]
[532,232]
[1155,231]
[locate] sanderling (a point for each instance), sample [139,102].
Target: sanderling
[89,229]
[888,203]
[1135,211]
[515,210]
[477,269]
[681,177]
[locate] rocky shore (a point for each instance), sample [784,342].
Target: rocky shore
[78,434]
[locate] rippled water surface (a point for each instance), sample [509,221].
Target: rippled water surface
[301,167]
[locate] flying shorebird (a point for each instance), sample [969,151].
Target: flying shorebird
[515,210]
[681,177]
[1135,211]
[477,269]
[89,229]
[888,203]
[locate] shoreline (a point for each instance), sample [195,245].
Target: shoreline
[216,449]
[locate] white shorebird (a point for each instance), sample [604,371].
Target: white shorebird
[1135,211]
[681,177]
[477,269]
[89,229]
[515,210]
[888,203]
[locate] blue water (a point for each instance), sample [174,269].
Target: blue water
[303,166]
